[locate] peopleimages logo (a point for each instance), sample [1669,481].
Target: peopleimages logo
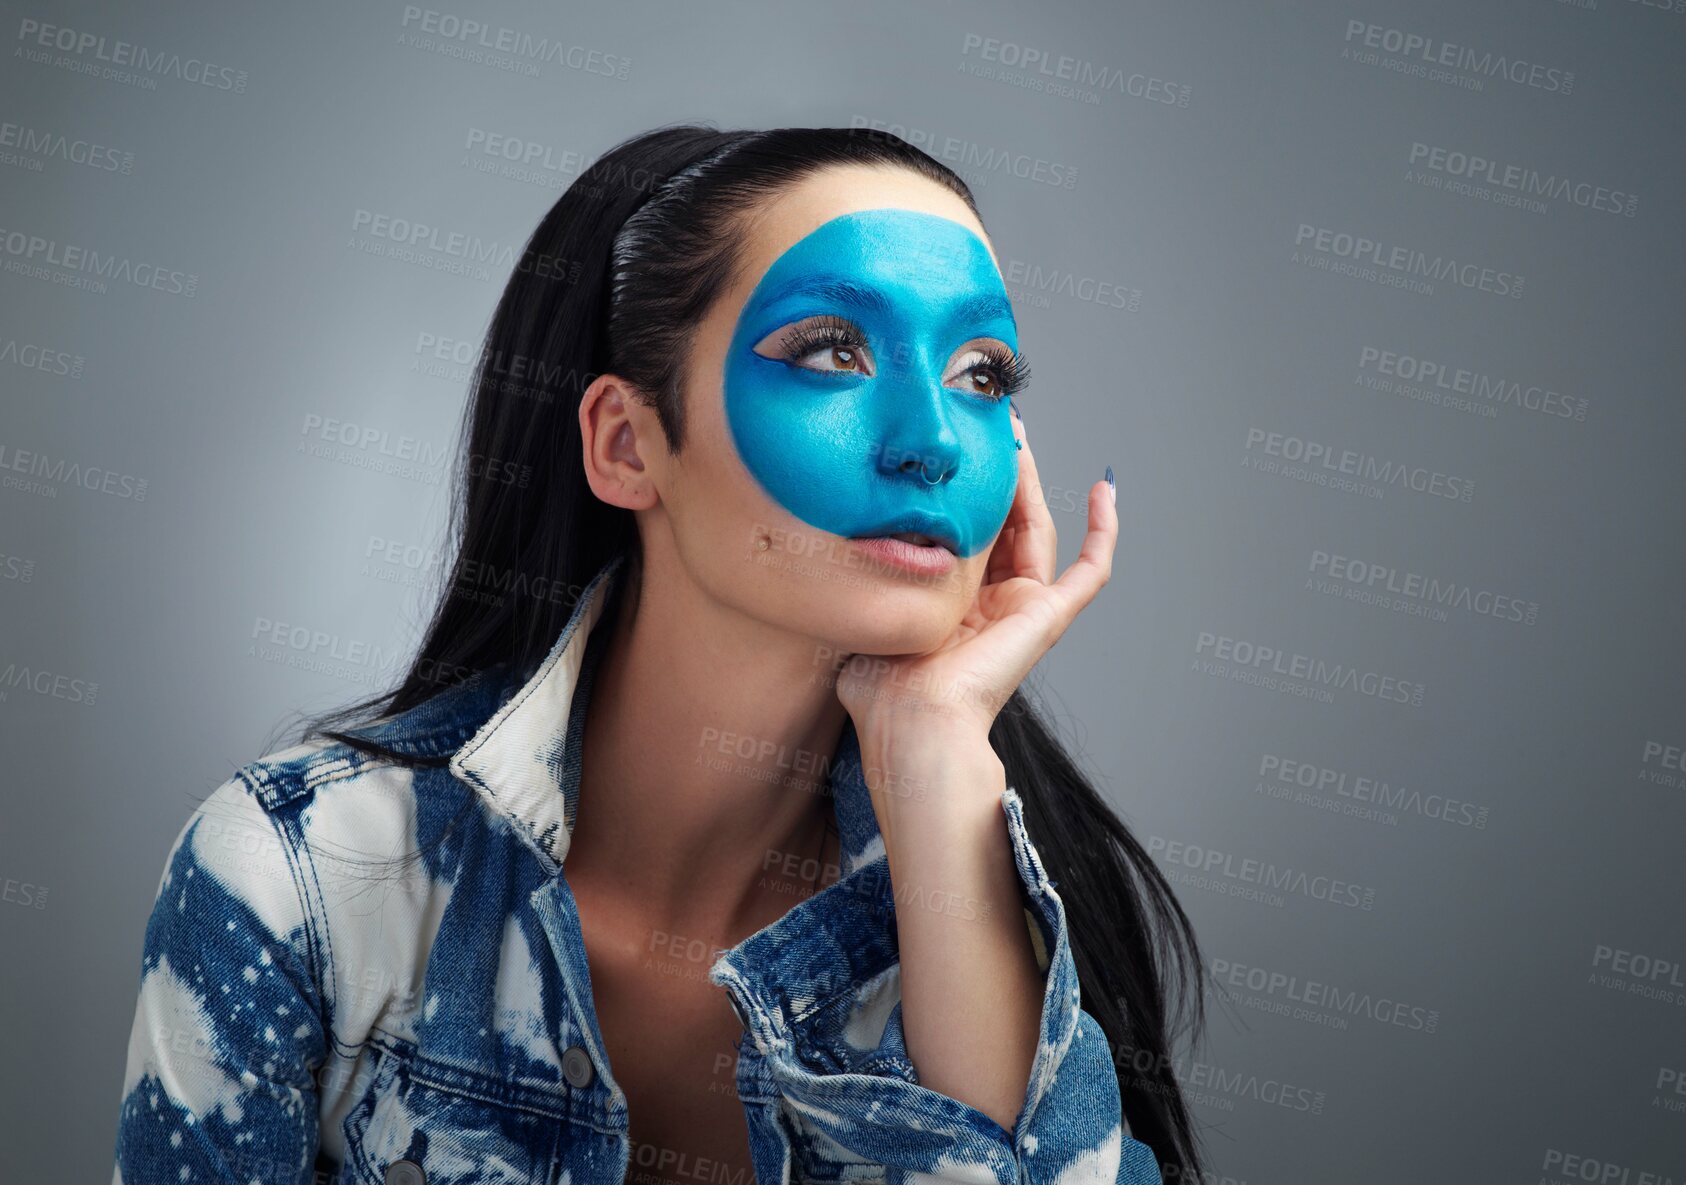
[1282,777]
[1404,261]
[24,253]
[1411,369]
[1348,463]
[73,690]
[1238,658]
[1635,973]
[44,359]
[1663,764]
[62,471]
[94,47]
[473,40]
[1573,1167]
[1328,997]
[323,652]
[1217,1086]
[1039,70]
[1211,867]
[39,142]
[1426,588]
[1426,53]
[23,893]
[1526,184]
[979,162]
[367,438]
[1040,281]
[409,232]
[530,154]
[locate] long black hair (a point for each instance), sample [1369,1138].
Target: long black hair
[614,279]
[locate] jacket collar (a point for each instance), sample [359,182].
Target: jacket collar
[523,760]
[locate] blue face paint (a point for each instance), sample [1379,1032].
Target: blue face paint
[856,453]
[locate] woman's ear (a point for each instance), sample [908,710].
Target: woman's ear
[617,430]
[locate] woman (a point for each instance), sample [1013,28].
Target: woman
[743,474]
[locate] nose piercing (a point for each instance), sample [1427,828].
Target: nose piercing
[926,467]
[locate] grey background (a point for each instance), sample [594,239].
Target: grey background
[1555,734]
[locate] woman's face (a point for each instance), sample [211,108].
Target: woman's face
[849,386]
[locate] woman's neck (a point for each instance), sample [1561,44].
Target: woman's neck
[708,737]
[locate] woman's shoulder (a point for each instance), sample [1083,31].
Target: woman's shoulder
[292,776]
[302,837]
[347,801]
[320,850]
[314,809]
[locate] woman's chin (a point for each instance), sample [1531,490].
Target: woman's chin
[883,627]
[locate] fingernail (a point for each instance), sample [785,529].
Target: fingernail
[1113,484]
[1011,403]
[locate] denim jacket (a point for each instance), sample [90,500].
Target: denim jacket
[305,1015]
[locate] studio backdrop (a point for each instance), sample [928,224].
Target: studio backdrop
[1373,307]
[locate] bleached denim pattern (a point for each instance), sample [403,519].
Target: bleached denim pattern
[306,1016]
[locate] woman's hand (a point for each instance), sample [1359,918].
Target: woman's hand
[1020,611]
[967,961]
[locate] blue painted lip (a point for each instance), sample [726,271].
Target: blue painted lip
[939,527]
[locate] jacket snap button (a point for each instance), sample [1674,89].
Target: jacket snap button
[405,1172]
[577,1068]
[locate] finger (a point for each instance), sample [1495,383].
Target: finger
[1033,537]
[1000,565]
[1093,566]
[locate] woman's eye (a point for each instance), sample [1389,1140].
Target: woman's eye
[985,381]
[845,358]
[982,375]
[830,346]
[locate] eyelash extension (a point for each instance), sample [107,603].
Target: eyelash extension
[799,343]
[1010,368]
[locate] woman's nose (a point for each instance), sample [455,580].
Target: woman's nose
[919,441]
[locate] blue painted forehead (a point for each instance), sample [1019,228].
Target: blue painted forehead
[886,265]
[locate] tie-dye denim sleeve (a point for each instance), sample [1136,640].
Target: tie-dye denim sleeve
[819,994]
[219,1084]
[1071,1127]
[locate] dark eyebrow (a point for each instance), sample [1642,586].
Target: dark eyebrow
[837,291]
[982,307]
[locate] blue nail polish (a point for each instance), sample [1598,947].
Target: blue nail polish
[1012,403]
[1110,481]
